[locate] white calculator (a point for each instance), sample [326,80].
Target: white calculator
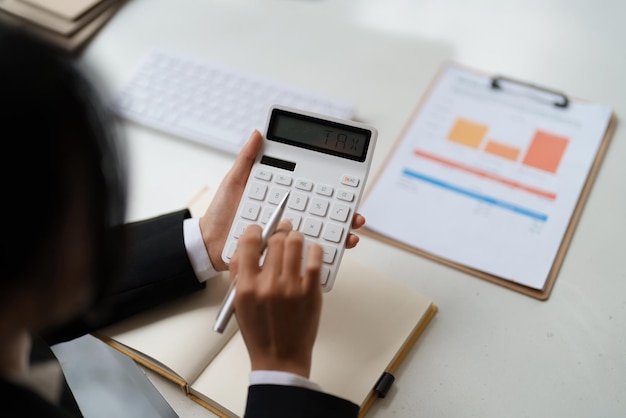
[324,162]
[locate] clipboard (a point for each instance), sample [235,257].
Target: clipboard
[513,89]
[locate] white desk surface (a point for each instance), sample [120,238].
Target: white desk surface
[490,352]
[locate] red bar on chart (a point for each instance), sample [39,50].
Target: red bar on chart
[502,150]
[467,132]
[545,151]
[485,174]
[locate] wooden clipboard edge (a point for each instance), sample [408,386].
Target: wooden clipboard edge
[410,342]
[582,199]
[540,294]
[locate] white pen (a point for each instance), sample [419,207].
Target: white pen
[227,308]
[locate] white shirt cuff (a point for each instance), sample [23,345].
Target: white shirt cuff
[196,251]
[274,377]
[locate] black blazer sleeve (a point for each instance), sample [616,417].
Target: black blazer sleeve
[158,271]
[277,401]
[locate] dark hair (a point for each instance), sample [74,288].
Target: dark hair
[51,118]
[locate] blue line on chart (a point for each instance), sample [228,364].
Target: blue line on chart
[483,198]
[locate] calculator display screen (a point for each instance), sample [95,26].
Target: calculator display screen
[319,135]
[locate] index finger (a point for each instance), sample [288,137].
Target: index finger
[249,251]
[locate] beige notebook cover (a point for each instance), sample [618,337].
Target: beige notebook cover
[51,21]
[66,9]
[369,322]
[72,42]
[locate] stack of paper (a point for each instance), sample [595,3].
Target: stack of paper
[67,24]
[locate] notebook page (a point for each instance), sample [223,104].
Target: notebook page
[366,320]
[178,336]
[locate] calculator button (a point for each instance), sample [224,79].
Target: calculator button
[251,211]
[345,195]
[297,201]
[231,249]
[324,190]
[294,218]
[318,207]
[263,175]
[266,214]
[312,227]
[276,195]
[350,181]
[333,232]
[304,185]
[321,212]
[324,273]
[241,226]
[283,180]
[339,212]
[257,191]
[329,253]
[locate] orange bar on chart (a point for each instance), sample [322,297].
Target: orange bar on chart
[502,150]
[467,132]
[545,151]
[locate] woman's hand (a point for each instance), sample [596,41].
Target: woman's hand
[277,306]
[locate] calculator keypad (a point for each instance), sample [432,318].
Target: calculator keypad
[321,212]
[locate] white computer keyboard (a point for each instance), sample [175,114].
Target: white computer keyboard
[210,103]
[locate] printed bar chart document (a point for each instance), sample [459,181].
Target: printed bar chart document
[490,176]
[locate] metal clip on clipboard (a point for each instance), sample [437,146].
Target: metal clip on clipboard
[553,97]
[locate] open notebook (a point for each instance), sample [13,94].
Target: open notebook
[369,322]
